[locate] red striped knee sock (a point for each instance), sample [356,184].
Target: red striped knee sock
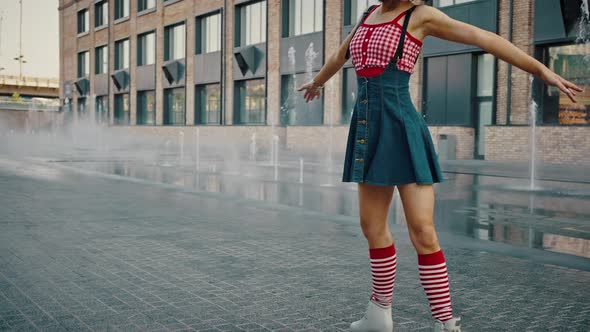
[435,281]
[383,267]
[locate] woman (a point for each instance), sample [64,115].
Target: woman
[389,143]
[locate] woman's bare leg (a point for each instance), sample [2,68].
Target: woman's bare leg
[374,203]
[418,203]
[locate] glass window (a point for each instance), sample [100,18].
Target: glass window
[357,7]
[174,106]
[122,54]
[102,109]
[83,21]
[484,98]
[101,65]
[252,29]
[83,64]
[145,4]
[305,16]
[208,104]
[294,110]
[122,109]
[450,90]
[174,45]
[445,3]
[81,108]
[146,107]
[209,34]
[349,90]
[571,62]
[101,13]
[146,49]
[485,75]
[250,102]
[121,9]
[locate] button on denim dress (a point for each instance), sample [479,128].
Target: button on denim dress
[388,141]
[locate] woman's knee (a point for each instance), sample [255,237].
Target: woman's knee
[424,237]
[373,228]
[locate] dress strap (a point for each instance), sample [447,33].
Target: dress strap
[399,52]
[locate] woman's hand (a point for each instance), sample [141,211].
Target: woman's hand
[567,87]
[312,90]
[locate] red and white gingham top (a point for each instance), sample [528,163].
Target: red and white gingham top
[373,47]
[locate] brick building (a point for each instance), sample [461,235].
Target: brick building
[229,67]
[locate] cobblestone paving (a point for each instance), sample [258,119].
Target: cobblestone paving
[80,253]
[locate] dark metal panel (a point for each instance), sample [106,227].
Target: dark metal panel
[482,14]
[345,32]
[302,46]
[261,61]
[549,22]
[459,90]
[101,84]
[436,90]
[207,68]
[349,94]
[181,79]
[145,77]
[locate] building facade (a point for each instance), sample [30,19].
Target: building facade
[231,68]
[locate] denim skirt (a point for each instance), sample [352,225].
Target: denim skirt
[389,142]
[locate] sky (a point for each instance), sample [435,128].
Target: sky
[40,37]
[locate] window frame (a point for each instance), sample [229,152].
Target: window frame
[126,119]
[540,88]
[139,104]
[83,66]
[82,111]
[479,100]
[83,14]
[165,106]
[167,54]
[125,14]
[237,99]
[311,113]
[201,32]
[200,91]
[289,17]
[100,8]
[141,10]
[97,63]
[240,33]
[101,116]
[116,60]
[140,54]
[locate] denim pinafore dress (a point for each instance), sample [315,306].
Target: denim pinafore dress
[388,141]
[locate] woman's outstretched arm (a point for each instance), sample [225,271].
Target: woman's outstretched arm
[438,24]
[331,67]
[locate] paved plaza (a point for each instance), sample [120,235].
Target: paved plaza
[85,252]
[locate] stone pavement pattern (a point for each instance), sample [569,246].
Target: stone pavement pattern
[80,253]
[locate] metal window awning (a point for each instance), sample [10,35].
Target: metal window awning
[173,71]
[247,59]
[120,79]
[82,86]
